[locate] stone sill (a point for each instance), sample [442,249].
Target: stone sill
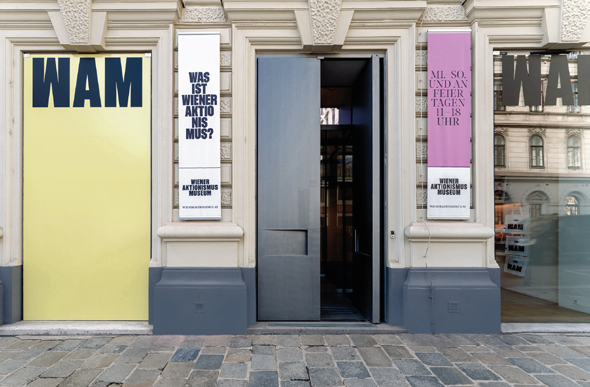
[448,231]
[211,231]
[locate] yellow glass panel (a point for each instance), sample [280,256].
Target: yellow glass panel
[86,202]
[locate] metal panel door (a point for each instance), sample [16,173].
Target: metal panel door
[288,188]
[366,220]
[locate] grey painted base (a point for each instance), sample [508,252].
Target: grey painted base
[155,277]
[451,300]
[196,301]
[394,295]
[249,277]
[12,281]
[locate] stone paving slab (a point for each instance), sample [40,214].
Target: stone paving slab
[355,360]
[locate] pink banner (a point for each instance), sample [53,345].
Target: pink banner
[449,99]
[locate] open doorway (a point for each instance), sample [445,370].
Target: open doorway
[319,224]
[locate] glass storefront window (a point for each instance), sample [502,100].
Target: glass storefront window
[542,190]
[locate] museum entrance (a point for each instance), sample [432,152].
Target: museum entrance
[318,223]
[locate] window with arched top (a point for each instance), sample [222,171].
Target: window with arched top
[536,201]
[536,145]
[572,205]
[573,152]
[499,151]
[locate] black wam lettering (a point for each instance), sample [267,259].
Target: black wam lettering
[48,76]
[529,80]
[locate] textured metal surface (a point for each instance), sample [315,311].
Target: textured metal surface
[365,117]
[288,188]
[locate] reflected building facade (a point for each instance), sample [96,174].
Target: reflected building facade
[541,201]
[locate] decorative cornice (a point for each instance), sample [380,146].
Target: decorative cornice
[324,20]
[445,13]
[76,16]
[574,132]
[203,15]
[200,230]
[574,16]
[501,130]
[538,131]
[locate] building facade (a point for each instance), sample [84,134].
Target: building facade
[323,165]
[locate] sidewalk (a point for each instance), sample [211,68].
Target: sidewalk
[297,361]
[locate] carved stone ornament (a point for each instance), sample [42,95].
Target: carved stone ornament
[76,15]
[203,15]
[421,58]
[225,150]
[421,150]
[537,131]
[445,13]
[421,104]
[225,105]
[501,130]
[422,197]
[226,197]
[324,20]
[225,58]
[574,132]
[574,16]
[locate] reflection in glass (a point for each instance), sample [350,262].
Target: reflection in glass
[542,227]
[536,151]
[573,152]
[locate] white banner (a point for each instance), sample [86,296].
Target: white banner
[448,192]
[198,125]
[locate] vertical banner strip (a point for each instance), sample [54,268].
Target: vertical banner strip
[449,124]
[199,123]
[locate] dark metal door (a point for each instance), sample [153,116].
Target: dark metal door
[288,188]
[366,221]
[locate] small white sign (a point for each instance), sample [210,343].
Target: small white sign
[518,245]
[199,193]
[449,192]
[516,265]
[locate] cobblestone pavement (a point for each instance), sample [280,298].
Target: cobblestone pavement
[297,361]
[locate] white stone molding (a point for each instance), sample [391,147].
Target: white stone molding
[202,15]
[226,197]
[574,17]
[225,58]
[324,20]
[538,132]
[226,151]
[442,13]
[225,105]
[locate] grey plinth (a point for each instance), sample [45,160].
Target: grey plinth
[197,301]
[464,300]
